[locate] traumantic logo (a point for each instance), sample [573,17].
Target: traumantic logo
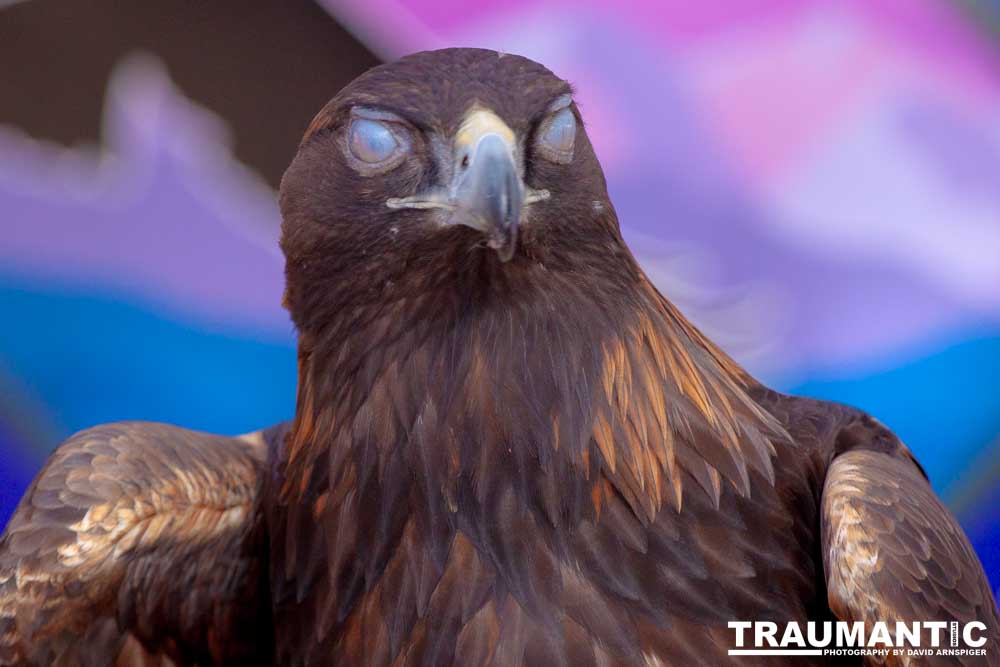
[843,638]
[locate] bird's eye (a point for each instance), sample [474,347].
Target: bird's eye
[557,136]
[372,141]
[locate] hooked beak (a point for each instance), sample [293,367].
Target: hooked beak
[487,191]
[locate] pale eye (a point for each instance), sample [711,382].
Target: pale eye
[558,135]
[372,141]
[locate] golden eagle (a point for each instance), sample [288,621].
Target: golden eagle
[508,448]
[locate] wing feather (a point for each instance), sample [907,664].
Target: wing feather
[893,552]
[138,539]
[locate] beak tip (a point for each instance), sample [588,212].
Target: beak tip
[504,242]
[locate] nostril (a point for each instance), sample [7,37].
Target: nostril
[465,161]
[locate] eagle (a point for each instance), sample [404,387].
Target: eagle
[508,447]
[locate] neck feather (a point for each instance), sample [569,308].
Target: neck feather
[563,394]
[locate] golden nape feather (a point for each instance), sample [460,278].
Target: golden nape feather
[508,448]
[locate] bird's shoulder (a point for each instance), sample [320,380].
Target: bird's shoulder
[141,468]
[119,519]
[891,549]
[825,430]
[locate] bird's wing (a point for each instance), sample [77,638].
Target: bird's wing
[138,543]
[892,551]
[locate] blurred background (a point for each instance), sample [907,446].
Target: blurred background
[816,184]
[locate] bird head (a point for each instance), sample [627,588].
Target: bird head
[441,165]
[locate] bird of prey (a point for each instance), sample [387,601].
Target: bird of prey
[508,447]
